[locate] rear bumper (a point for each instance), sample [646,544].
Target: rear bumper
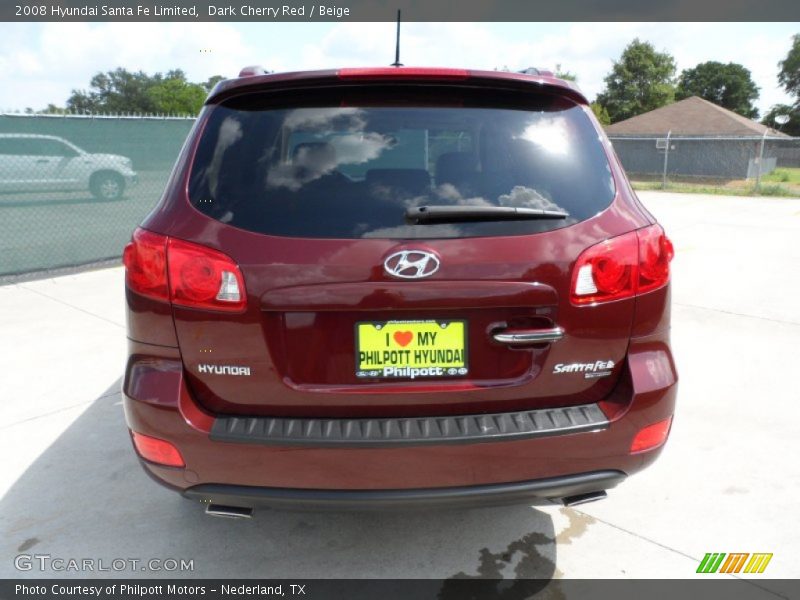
[524,492]
[409,432]
[462,469]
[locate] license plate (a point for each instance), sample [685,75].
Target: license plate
[411,349]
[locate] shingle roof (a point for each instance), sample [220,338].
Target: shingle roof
[691,116]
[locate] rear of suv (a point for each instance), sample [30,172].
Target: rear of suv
[397,287]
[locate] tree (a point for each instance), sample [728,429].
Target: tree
[640,81]
[566,75]
[173,94]
[115,91]
[601,113]
[789,78]
[730,86]
[789,74]
[52,109]
[122,91]
[212,81]
[790,127]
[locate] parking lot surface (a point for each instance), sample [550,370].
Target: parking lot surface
[728,480]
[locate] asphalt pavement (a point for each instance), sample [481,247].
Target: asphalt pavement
[728,480]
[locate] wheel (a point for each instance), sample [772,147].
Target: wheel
[107,186]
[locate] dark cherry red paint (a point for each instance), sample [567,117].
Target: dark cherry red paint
[295,333]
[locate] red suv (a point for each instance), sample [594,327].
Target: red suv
[394,287]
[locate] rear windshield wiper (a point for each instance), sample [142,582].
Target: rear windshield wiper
[455,214]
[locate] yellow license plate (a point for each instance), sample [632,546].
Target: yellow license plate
[411,349]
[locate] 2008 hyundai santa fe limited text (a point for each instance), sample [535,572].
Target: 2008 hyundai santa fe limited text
[397,287]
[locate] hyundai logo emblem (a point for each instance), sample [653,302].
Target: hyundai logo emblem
[411,264]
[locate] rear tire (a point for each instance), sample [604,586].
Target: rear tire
[107,186]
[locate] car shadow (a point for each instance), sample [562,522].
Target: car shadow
[86,497]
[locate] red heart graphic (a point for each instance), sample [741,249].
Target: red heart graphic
[403,337]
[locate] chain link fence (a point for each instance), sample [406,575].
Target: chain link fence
[72,188]
[722,165]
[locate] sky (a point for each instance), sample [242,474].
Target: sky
[40,63]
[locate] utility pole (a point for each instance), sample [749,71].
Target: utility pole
[760,160]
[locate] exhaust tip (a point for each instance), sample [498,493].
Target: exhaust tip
[583,498]
[229,512]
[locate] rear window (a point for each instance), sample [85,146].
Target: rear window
[351,163]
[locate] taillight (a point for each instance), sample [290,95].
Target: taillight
[183,273]
[655,254]
[200,277]
[651,436]
[402,73]
[157,451]
[621,267]
[145,260]
[606,271]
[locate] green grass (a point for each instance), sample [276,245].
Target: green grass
[769,189]
[783,175]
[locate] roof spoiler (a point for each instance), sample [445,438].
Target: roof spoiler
[257,76]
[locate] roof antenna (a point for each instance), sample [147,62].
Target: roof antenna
[397,62]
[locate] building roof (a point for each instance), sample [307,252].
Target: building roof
[691,116]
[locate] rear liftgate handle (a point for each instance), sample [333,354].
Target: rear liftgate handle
[528,337]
